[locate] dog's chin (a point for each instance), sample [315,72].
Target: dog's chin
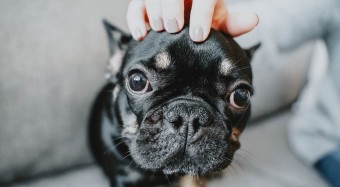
[197,162]
[193,167]
[203,163]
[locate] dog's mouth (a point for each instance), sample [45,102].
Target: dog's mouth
[196,145]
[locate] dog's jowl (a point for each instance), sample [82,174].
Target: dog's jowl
[172,108]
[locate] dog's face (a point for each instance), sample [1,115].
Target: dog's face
[183,104]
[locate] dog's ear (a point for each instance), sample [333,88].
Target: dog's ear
[250,52]
[118,43]
[118,39]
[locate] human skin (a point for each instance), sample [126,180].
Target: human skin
[201,15]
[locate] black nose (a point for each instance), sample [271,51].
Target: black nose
[186,113]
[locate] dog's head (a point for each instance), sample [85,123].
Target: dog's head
[183,104]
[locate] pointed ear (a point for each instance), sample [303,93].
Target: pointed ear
[118,39]
[250,52]
[118,44]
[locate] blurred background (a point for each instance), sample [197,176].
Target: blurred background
[53,56]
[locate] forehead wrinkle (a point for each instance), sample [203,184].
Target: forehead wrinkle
[162,60]
[225,67]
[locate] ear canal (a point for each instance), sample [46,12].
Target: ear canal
[118,39]
[251,51]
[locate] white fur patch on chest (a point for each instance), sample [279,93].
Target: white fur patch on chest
[163,60]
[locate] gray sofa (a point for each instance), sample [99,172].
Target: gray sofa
[53,56]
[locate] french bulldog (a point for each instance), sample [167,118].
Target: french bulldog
[172,108]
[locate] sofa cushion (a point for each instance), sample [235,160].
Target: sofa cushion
[52,56]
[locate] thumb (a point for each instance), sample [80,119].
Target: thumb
[237,24]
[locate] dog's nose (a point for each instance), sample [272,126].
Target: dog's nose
[190,114]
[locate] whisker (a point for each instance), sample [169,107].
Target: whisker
[167,178]
[237,162]
[248,152]
[246,67]
[130,163]
[239,60]
[237,168]
[108,151]
[233,161]
[118,138]
[232,170]
[242,157]
[125,156]
[118,144]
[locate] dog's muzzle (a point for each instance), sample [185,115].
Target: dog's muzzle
[183,136]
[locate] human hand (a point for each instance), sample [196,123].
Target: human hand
[202,15]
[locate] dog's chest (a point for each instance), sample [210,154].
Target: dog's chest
[191,181]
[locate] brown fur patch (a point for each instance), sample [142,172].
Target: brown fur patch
[191,181]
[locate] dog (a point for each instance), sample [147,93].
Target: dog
[172,108]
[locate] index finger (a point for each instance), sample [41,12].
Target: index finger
[202,12]
[136,19]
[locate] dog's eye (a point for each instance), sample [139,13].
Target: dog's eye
[239,98]
[138,83]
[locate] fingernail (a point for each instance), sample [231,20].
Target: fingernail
[258,19]
[171,25]
[198,34]
[158,24]
[138,34]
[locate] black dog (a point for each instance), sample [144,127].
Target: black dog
[172,107]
